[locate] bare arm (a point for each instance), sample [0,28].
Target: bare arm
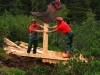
[53,26]
[39,30]
[41,26]
[54,30]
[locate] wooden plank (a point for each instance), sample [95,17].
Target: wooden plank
[21,42]
[27,54]
[45,40]
[8,42]
[12,49]
[53,61]
[37,55]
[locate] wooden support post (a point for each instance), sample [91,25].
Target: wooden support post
[45,40]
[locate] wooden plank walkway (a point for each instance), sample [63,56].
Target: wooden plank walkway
[52,57]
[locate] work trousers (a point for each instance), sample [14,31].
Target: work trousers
[69,40]
[32,42]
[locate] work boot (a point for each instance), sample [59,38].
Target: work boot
[28,51]
[65,55]
[34,51]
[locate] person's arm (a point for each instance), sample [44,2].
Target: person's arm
[39,30]
[52,31]
[41,26]
[35,30]
[53,26]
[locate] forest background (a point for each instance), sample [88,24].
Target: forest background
[82,15]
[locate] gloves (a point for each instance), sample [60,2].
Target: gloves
[48,32]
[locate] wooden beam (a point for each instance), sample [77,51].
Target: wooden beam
[10,43]
[45,40]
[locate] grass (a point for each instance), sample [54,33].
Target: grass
[3,54]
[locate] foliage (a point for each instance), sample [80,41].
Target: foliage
[62,12]
[4,28]
[86,39]
[15,6]
[86,36]
[42,70]
[75,67]
[56,42]
[3,55]
[37,5]
[59,69]
[77,10]
[72,67]
[16,26]
[95,8]
[12,71]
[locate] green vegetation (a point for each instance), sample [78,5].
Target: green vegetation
[11,71]
[14,24]
[3,55]
[86,41]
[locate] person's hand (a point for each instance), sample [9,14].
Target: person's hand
[33,30]
[48,32]
[41,26]
[48,27]
[42,30]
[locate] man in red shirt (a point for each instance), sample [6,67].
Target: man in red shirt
[33,38]
[65,29]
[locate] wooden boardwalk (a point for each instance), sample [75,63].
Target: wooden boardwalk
[50,57]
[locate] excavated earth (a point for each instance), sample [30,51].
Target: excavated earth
[19,62]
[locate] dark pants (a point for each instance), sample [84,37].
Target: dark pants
[69,40]
[32,42]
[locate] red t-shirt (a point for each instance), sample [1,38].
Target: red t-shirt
[63,27]
[31,28]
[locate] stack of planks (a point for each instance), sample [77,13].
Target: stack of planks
[51,57]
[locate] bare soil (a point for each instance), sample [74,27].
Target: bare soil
[19,62]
